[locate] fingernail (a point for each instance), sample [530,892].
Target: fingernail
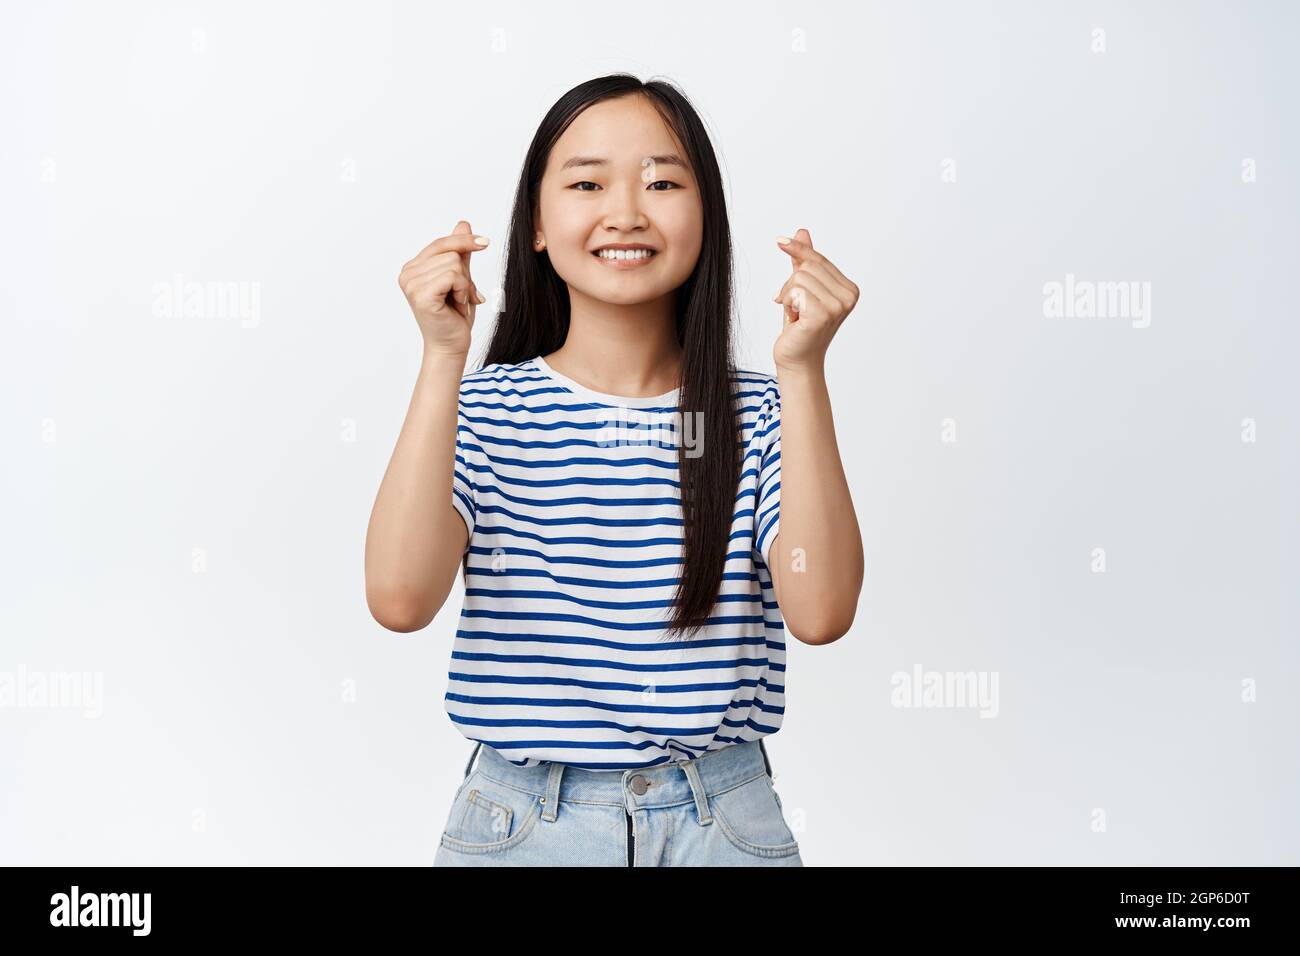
[481,299]
[783,239]
[480,240]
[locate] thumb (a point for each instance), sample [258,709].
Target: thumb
[804,236]
[463,229]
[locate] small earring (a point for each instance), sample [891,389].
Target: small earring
[539,241]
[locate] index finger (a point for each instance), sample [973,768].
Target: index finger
[802,250]
[462,242]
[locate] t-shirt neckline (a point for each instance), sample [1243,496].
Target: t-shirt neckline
[668,399]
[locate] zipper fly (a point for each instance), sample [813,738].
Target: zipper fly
[631,841]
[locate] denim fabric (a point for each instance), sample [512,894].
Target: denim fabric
[719,809]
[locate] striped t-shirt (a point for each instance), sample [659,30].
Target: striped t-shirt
[573,505]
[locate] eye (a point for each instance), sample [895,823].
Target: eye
[662,182]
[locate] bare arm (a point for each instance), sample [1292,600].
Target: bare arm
[816,558]
[416,537]
[818,592]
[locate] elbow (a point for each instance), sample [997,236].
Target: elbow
[826,626]
[406,606]
[400,613]
[834,622]
[828,618]
[821,630]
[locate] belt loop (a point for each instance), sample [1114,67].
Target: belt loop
[477,745]
[766,763]
[697,788]
[551,801]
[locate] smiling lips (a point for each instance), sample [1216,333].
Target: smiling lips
[624,258]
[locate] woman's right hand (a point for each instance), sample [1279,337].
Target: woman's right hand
[442,295]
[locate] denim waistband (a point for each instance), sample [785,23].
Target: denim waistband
[663,785]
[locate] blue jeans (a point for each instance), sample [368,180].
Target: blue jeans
[719,809]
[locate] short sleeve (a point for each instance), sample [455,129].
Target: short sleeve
[767,510]
[463,496]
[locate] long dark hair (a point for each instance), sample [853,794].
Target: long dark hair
[534,320]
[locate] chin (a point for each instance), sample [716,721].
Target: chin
[626,296]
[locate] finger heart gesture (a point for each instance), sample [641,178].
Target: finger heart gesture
[816,298]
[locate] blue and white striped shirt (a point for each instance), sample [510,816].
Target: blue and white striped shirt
[573,505]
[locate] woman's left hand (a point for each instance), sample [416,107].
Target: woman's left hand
[817,298]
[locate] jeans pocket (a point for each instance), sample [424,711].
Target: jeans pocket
[488,816]
[752,818]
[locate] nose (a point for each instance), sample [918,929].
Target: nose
[622,211]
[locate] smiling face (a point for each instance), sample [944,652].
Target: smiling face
[619,177]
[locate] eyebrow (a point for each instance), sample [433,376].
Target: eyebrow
[670,160]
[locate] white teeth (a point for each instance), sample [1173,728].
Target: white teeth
[625,253]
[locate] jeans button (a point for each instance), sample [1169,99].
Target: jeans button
[638,784]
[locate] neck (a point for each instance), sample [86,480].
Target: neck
[621,349]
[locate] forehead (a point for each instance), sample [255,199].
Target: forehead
[622,131]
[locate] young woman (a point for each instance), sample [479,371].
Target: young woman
[613,485]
